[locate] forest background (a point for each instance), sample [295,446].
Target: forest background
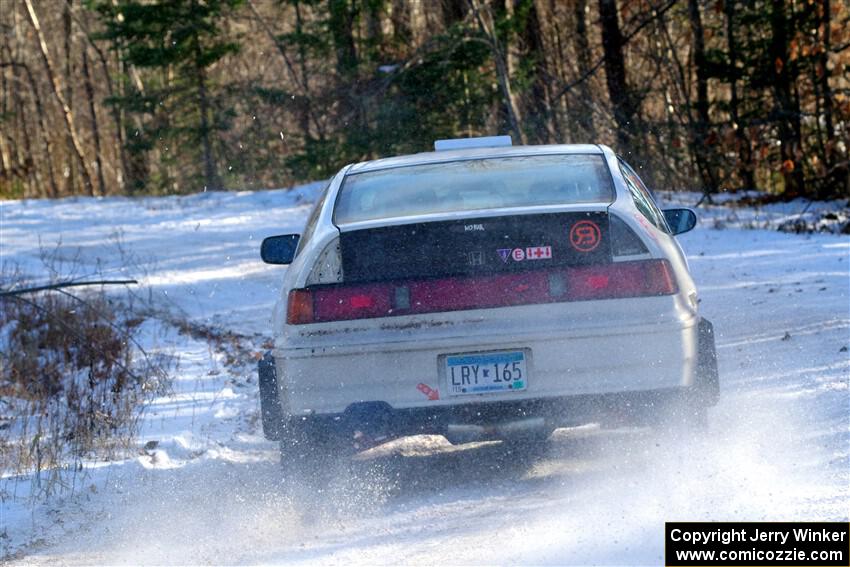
[132,97]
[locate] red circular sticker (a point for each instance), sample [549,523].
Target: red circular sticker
[585,236]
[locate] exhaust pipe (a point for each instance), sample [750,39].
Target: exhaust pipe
[458,433]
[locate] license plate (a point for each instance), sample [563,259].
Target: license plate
[486,373]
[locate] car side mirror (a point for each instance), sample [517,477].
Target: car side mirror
[680,220]
[279,249]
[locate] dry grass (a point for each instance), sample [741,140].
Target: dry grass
[73,380]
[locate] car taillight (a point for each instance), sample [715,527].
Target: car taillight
[622,279]
[299,308]
[368,301]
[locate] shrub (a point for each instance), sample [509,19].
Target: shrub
[70,384]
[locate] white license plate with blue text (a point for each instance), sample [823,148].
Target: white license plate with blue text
[486,373]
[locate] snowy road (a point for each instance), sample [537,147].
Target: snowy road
[779,447]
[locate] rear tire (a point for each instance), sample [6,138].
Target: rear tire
[310,455]
[708,377]
[689,413]
[270,411]
[681,418]
[531,445]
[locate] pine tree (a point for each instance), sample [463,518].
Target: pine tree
[176,42]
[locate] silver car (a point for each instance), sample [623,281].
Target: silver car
[483,291]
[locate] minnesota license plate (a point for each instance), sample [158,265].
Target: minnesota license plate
[486,373]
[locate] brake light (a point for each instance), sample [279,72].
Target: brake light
[366,301]
[360,301]
[598,282]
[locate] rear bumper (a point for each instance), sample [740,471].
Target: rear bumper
[375,421]
[563,364]
[378,419]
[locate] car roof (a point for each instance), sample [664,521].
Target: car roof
[473,153]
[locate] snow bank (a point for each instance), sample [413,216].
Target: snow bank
[738,210]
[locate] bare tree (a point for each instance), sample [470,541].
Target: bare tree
[701,149]
[742,143]
[57,92]
[44,130]
[622,100]
[787,106]
[94,125]
[581,46]
[484,17]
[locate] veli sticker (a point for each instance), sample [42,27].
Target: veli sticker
[538,253]
[530,253]
[585,236]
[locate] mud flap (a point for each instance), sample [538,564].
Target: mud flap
[708,379]
[269,404]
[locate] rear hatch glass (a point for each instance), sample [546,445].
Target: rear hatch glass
[473,185]
[474,245]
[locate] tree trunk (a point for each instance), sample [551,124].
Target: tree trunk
[306,104]
[5,154]
[487,27]
[15,158]
[115,112]
[53,191]
[453,11]
[57,92]
[375,26]
[787,108]
[823,77]
[210,175]
[69,95]
[744,165]
[352,110]
[26,158]
[838,173]
[615,75]
[581,45]
[342,31]
[400,18]
[138,161]
[538,109]
[702,151]
[123,177]
[94,126]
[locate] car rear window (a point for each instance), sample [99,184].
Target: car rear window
[472,185]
